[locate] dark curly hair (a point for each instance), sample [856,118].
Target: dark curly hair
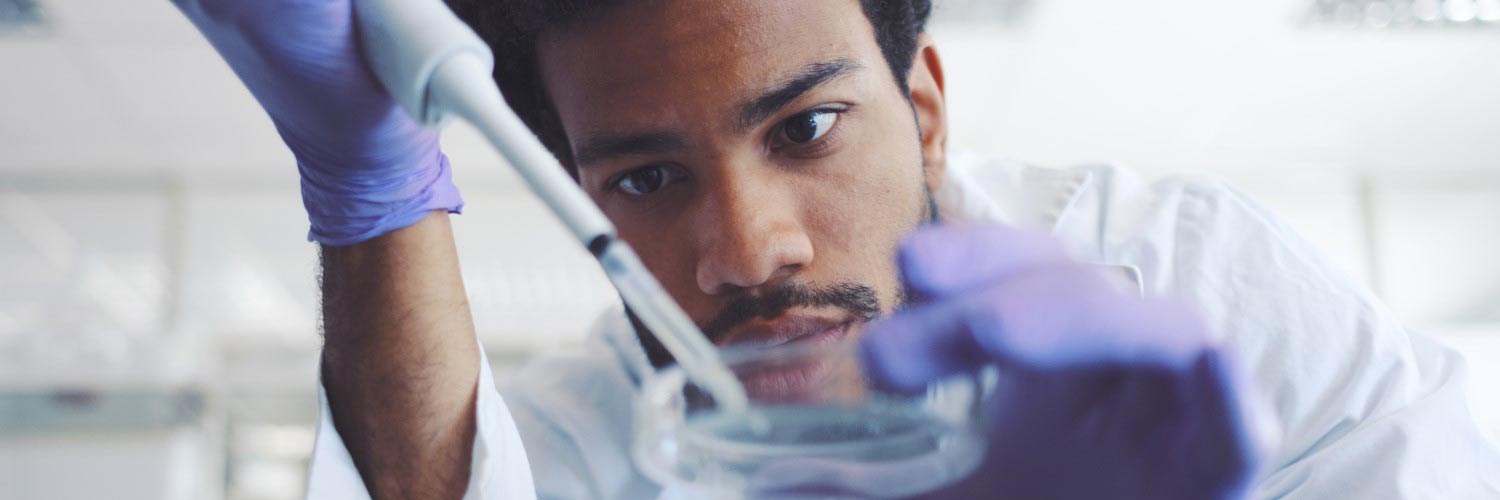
[512,28]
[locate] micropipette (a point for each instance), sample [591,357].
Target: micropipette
[433,65]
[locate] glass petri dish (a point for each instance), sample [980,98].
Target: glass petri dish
[815,427]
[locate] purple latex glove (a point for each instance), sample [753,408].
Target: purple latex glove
[1102,394]
[367,168]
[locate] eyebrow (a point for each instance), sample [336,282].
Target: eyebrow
[592,149]
[809,77]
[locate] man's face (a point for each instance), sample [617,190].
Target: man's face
[758,155]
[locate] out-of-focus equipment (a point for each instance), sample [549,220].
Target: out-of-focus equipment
[1425,14]
[22,17]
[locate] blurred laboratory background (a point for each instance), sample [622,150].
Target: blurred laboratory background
[158,321]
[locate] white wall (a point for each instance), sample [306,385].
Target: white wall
[1174,85]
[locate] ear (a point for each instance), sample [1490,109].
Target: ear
[927,97]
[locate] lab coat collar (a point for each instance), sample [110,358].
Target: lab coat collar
[1010,192]
[1063,202]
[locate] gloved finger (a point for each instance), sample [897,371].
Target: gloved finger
[1226,419]
[947,260]
[913,347]
[1035,322]
[1049,318]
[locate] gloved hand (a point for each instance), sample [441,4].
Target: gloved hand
[1102,394]
[367,168]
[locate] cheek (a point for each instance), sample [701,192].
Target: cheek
[666,250]
[879,199]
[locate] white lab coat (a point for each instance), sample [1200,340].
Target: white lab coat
[1365,409]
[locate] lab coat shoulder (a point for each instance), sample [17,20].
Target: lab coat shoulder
[1365,408]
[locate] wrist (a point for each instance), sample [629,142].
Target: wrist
[348,206]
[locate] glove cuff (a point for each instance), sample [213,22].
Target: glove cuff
[344,210]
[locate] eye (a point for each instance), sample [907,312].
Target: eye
[645,180]
[809,126]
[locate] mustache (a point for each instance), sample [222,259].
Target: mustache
[858,299]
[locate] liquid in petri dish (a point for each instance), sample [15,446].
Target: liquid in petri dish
[780,444]
[811,426]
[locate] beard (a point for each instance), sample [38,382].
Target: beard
[860,300]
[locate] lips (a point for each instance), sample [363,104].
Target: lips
[793,379]
[788,328]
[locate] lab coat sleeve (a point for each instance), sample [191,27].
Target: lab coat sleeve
[1366,408]
[499,469]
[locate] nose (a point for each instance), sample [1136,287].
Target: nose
[748,234]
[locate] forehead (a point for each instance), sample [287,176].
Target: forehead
[656,60]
